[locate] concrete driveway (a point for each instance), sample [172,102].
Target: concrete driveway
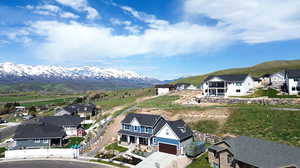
[159,160]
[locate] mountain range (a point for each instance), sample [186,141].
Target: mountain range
[25,77]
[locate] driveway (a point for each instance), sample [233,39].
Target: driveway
[164,160]
[50,164]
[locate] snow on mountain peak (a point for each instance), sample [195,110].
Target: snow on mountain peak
[21,70]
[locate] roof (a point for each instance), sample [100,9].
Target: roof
[294,73]
[262,153]
[38,130]
[165,86]
[231,78]
[143,119]
[62,120]
[179,127]
[185,84]
[74,108]
[256,79]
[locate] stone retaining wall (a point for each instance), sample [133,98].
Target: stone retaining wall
[265,101]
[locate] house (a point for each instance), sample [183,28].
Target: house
[70,124]
[38,135]
[164,89]
[83,110]
[277,79]
[155,132]
[227,85]
[247,152]
[257,82]
[185,86]
[265,79]
[292,78]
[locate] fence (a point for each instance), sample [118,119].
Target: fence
[42,153]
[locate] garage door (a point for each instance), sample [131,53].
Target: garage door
[166,148]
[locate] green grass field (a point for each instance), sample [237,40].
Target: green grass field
[115,146]
[270,93]
[122,97]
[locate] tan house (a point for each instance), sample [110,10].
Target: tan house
[247,152]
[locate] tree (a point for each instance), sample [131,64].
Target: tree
[32,110]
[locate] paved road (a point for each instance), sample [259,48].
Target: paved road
[7,132]
[49,164]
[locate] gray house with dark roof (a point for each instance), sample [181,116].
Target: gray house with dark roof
[228,85]
[38,135]
[156,133]
[247,152]
[83,110]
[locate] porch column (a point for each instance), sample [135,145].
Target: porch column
[149,141]
[60,142]
[49,141]
[128,139]
[216,92]
[137,140]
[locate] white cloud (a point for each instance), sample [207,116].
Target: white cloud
[75,41]
[69,15]
[252,21]
[48,7]
[81,5]
[127,25]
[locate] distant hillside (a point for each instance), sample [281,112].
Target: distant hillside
[256,71]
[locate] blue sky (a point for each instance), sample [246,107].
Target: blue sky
[161,39]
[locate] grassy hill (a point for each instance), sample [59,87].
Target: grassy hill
[256,71]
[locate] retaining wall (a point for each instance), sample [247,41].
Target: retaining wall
[41,153]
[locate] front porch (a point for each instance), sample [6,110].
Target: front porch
[137,140]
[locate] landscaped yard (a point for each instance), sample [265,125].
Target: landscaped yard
[271,93]
[115,146]
[73,141]
[201,162]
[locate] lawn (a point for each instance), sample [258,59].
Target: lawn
[2,150]
[115,146]
[201,162]
[263,122]
[271,93]
[73,141]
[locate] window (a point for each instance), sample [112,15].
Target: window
[45,140]
[205,90]
[37,141]
[135,128]
[238,83]
[293,88]
[238,90]
[298,88]
[126,127]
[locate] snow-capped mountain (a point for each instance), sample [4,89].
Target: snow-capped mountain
[26,77]
[9,69]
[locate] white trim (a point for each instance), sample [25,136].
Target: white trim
[166,124]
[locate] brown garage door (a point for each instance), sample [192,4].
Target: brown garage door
[171,149]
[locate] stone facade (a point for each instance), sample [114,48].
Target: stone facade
[265,101]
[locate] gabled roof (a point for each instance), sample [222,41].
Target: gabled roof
[143,119]
[39,130]
[230,78]
[165,86]
[62,120]
[179,127]
[262,153]
[294,73]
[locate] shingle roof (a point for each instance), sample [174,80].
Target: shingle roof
[38,130]
[185,84]
[143,119]
[263,153]
[294,73]
[74,108]
[165,86]
[179,127]
[62,120]
[231,78]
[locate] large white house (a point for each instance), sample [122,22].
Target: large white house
[227,85]
[164,89]
[277,79]
[292,78]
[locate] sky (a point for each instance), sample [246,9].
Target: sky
[155,38]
